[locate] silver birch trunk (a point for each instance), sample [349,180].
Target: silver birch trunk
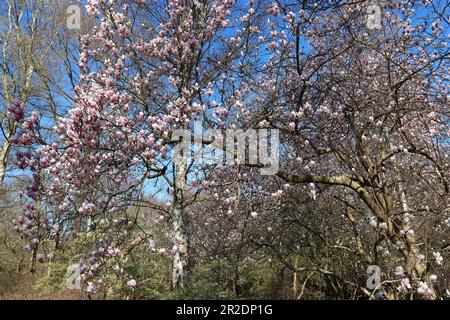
[180,258]
[412,261]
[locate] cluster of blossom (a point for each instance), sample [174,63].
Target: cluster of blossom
[17,111]
[91,288]
[438,258]
[399,271]
[404,286]
[22,158]
[26,136]
[424,290]
[106,257]
[43,258]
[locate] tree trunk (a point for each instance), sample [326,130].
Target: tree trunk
[180,258]
[294,280]
[32,268]
[412,259]
[19,263]
[3,157]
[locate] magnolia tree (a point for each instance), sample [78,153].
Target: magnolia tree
[359,99]
[366,110]
[147,69]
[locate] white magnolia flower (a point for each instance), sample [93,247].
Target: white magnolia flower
[399,271]
[447,222]
[424,290]
[178,240]
[118,270]
[131,284]
[312,191]
[373,222]
[277,195]
[152,245]
[404,286]
[90,288]
[383,226]
[438,258]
